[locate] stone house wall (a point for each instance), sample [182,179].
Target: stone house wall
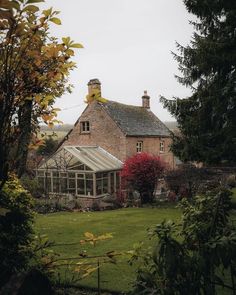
[103,132]
[151,145]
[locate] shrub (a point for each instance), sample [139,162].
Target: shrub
[16,218]
[141,172]
[95,206]
[32,186]
[189,257]
[189,180]
[231,181]
[49,147]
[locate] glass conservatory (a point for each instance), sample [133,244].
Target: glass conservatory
[80,171]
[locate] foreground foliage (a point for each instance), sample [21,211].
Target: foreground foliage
[193,258]
[34,70]
[16,228]
[206,118]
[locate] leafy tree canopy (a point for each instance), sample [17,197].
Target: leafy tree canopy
[207,118]
[34,70]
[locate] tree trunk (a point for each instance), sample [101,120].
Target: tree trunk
[25,126]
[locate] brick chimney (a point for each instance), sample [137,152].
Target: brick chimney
[94,84]
[146,100]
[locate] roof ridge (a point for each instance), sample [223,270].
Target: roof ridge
[113,101]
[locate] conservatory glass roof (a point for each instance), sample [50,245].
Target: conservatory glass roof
[82,158]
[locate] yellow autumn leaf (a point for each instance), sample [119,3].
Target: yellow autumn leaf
[47,117]
[89,271]
[76,45]
[66,40]
[70,52]
[55,20]
[89,235]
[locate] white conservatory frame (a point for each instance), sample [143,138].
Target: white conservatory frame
[80,171]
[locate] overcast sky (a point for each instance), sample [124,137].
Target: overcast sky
[127,46]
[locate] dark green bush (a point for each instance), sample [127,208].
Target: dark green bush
[32,186]
[194,256]
[16,219]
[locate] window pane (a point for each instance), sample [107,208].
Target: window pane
[112,182]
[71,174]
[139,146]
[89,176]
[41,181]
[40,173]
[117,180]
[162,146]
[80,187]
[105,185]
[63,174]
[48,186]
[56,185]
[55,174]
[87,168]
[99,175]
[85,127]
[99,186]
[72,183]
[63,183]
[89,187]
[80,175]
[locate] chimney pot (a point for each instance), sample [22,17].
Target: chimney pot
[94,84]
[146,100]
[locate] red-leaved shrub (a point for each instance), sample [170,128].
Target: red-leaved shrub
[141,172]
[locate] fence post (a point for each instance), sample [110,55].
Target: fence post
[99,288]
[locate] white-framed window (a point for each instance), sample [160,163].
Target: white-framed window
[162,146]
[85,127]
[139,146]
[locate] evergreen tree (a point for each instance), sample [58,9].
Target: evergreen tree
[207,118]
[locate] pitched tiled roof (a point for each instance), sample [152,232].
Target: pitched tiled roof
[135,120]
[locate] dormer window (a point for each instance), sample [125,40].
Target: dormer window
[162,146]
[139,146]
[85,127]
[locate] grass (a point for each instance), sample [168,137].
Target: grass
[128,226]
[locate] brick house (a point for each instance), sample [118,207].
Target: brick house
[120,129]
[88,161]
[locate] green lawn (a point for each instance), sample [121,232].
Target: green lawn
[128,226]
